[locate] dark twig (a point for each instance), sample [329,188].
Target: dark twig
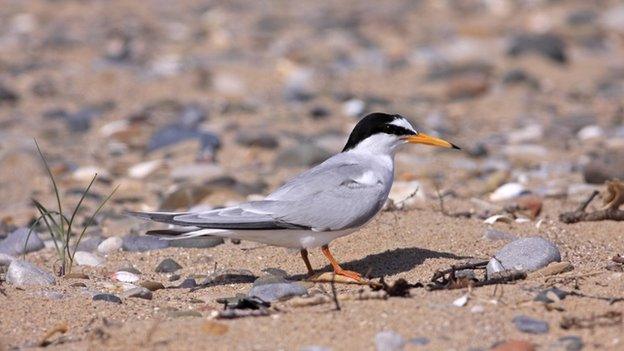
[584,205]
[579,215]
[335,295]
[447,279]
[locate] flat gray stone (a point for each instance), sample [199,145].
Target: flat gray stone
[22,273]
[107,297]
[143,243]
[83,258]
[90,244]
[389,341]
[202,242]
[530,325]
[13,244]
[138,292]
[272,288]
[525,254]
[168,265]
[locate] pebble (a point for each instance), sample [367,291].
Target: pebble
[608,165]
[507,191]
[420,341]
[5,259]
[8,95]
[550,295]
[493,235]
[125,277]
[144,169]
[263,140]
[138,292]
[22,273]
[354,107]
[168,265]
[304,154]
[590,132]
[514,345]
[548,45]
[389,341]
[570,343]
[107,298]
[142,243]
[527,254]
[530,325]
[83,258]
[109,245]
[152,285]
[272,288]
[13,244]
[188,283]
[90,243]
[202,242]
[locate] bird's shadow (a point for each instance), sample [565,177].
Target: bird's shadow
[390,262]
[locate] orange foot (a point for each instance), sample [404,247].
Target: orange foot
[349,274]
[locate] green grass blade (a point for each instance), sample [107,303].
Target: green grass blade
[56,190]
[43,216]
[73,216]
[84,229]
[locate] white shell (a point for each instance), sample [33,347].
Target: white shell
[507,192]
[125,277]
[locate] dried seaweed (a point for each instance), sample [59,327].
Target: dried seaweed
[400,287]
[608,319]
[613,199]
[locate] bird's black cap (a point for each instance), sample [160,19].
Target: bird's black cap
[375,123]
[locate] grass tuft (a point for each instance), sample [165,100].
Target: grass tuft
[58,225]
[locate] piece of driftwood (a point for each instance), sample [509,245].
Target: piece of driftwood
[613,198]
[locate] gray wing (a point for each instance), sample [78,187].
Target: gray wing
[331,196]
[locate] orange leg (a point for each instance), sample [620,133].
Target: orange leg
[337,269]
[304,256]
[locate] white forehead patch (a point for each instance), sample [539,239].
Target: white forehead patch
[402,122]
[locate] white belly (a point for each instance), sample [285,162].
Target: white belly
[291,238]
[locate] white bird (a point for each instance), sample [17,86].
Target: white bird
[330,200]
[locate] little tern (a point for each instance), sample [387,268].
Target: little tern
[330,200]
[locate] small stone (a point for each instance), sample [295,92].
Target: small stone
[8,96]
[389,341]
[107,298]
[90,243]
[202,242]
[525,254]
[304,154]
[22,273]
[272,288]
[5,259]
[608,165]
[152,285]
[144,169]
[421,341]
[109,245]
[548,45]
[188,283]
[263,140]
[530,325]
[507,192]
[83,258]
[125,277]
[142,243]
[168,265]
[354,107]
[319,112]
[493,235]
[127,267]
[138,292]
[571,343]
[514,345]
[174,277]
[550,295]
[13,244]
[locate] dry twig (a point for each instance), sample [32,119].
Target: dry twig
[613,198]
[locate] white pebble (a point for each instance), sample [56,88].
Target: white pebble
[109,245]
[507,192]
[83,258]
[125,277]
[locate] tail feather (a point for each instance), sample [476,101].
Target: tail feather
[173,234]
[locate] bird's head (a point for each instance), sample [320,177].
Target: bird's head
[383,133]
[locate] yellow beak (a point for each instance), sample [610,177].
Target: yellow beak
[421,138]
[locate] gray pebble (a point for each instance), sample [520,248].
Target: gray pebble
[263,140]
[389,341]
[272,288]
[143,243]
[107,298]
[548,45]
[202,242]
[550,295]
[421,341]
[493,235]
[90,243]
[168,265]
[570,343]
[13,244]
[530,325]
[526,254]
[22,273]
[138,292]
[188,283]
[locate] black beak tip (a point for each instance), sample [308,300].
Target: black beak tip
[455,146]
